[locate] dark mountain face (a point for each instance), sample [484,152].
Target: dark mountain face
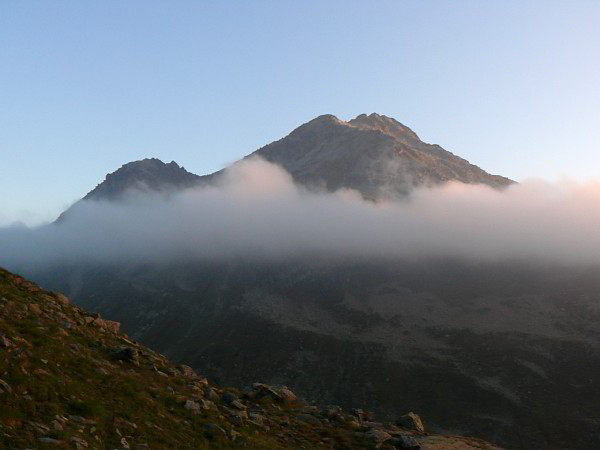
[375,155]
[504,351]
[147,174]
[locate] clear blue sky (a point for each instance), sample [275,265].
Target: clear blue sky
[86,86]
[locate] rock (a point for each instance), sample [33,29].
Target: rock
[354,424]
[411,421]
[41,372]
[186,371]
[256,418]
[233,435]
[49,440]
[124,443]
[287,395]
[191,405]
[79,443]
[280,393]
[211,394]
[125,354]
[34,308]
[238,404]
[237,417]
[229,397]
[377,436]
[363,416]
[5,386]
[109,325]
[56,425]
[406,442]
[5,342]
[60,298]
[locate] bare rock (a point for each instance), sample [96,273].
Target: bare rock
[405,442]
[191,405]
[50,441]
[5,342]
[5,387]
[411,421]
[377,436]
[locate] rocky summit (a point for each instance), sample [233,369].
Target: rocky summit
[374,155]
[70,379]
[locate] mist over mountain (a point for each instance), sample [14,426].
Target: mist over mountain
[359,264]
[374,155]
[148,175]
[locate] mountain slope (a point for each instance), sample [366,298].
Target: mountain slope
[375,155]
[149,174]
[69,379]
[512,350]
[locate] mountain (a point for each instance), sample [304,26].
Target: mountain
[374,154]
[149,174]
[510,349]
[70,379]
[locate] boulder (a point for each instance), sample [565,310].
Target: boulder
[192,406]
[186,371]
[279,393]
[229,397]
[128,354]
[4,341]
[60,298]
[405,442]
[51,441]
[4,387]
[411,421]
[377,436]
[211,394]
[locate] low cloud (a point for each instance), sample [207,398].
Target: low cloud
[257,211]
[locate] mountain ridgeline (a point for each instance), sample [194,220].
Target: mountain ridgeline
[508,351]
[374,155]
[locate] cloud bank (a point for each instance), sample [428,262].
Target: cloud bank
[257,211]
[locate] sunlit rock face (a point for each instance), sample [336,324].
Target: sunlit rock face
[374,154]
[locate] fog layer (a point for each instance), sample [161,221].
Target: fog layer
[257,211]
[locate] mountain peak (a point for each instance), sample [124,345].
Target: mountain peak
[385,124]
[145,174]
[373,154]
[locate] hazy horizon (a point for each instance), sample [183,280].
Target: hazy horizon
[257,212]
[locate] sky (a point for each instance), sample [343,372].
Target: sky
[88,86]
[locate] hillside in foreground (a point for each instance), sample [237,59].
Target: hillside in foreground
[69,379]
